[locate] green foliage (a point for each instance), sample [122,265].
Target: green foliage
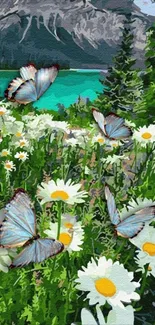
[123,83]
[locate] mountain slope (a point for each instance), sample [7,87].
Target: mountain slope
[76,33]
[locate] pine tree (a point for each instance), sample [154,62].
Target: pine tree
[147,107]
[123,84]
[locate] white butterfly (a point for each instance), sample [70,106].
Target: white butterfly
[32,84]
[112,126]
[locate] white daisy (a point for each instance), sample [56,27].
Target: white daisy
[5,153]
[22,155]
[59,126]
[6,124]
[145,240]
[141,261]
[17,129]
[71,142]
[114,159]
[145,135]
[3,111]
[133,206]
[107,281]
[99,139]
[9,166]
[22,143]
[111,144]
[61,191]
[79,132]
[71,233]
[5,259]
[81,135]
[114,317]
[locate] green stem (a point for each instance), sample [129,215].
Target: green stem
[143,282]
[68,287]
[120,247]
[59,210]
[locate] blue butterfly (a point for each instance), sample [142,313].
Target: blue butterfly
[132,225]
[32,84]
[19,229]
[112,126]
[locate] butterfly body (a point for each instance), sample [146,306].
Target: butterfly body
[112,126]
[130,226]
[19,230]
[32,84]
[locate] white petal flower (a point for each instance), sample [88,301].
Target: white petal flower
[145,240]
[99,139]
[3,111]
[141,260]
[59,126]
[145,135]
[111,144]
[114,159]
[115,317]
[5,259]
[22,155]
[60,191]
[71,233]
[134,206]
[17,129]
[71,142]
[22,143]
[5,153]
[107,281]
[9,166]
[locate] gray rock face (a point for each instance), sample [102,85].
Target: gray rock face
[75,33]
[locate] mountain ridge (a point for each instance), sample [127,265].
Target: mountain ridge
[77,34]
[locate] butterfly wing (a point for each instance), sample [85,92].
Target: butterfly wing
[115,128]
[114,216]
[129,230]
[26,93]
[133,224]
[44,78]
[19,223]
[13,86]
[28,72]
[99,118]
[38,251]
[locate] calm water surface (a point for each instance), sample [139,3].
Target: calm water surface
[68,86]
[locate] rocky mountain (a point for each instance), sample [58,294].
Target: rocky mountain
[75,33]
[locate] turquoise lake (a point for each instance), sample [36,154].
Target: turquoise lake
[68,86]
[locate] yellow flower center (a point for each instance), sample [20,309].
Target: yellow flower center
[68,225]
[7,165]
[2,113]
[22,143]
[105,287]
[149,268]
[21,155]
[115,145]
[146,135]
[100,140]
[4,153]
[149,248]
[18,134]
[65,238]
[60,195]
